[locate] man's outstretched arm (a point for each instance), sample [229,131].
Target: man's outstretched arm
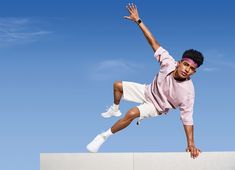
[134,16]
[190,140]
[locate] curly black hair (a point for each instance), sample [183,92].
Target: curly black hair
[195,55]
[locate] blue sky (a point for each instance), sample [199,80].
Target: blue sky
[58,61]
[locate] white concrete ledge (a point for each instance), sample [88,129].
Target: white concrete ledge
[137,161]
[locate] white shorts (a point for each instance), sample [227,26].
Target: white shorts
[134,92]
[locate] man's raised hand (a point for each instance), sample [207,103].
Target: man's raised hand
[132,9]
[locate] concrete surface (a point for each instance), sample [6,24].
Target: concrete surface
[137,161]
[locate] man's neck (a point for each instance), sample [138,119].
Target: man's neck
[177,77]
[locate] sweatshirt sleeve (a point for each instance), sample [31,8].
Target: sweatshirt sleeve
[164,58]
[186,111]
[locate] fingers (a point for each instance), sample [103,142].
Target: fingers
[131,7]
[187,149]
[194,152]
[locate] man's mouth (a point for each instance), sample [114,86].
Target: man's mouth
[184,74]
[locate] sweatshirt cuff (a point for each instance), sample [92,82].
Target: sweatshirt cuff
[158,53]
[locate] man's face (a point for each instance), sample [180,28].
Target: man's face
[185,69]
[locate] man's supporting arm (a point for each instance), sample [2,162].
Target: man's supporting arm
[190,141]
[134,16]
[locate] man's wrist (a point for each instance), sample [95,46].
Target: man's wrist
[191,145]
[138,21]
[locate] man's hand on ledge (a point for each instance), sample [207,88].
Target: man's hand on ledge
[194,152]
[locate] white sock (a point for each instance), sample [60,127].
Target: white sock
[108,133]
[115,106]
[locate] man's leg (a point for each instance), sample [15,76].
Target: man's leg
[94,145]
[126,120]
[132,92]
[117,93]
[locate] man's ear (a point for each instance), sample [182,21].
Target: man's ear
[178,63]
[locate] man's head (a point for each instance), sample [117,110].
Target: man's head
[194,55]
[191,60]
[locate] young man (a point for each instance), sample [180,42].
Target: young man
[171,88]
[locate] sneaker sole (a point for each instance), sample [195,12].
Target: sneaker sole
[108,116]
[90,150]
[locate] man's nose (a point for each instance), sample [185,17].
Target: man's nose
[187,69]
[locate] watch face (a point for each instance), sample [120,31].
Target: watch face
[139,21]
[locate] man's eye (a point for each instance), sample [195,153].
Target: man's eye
[193,69]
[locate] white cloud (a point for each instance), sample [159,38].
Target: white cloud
[113,68]
[216,60]
[209,69]
[20,30]
[113,65]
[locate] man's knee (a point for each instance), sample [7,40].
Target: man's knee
[118,85]
[133,113]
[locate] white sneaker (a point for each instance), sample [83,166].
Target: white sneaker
[111,112]
[94,145]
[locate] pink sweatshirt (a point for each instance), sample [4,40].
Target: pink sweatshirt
[165,92]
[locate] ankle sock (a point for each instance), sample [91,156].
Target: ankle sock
[115,107]
[108,133]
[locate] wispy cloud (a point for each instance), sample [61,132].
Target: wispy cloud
[216,60]
[109,68]
[209,69]
[20,30]
[113,65]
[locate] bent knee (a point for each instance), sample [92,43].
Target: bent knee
[133,113]
[118,85]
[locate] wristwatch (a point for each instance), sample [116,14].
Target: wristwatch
[138,21]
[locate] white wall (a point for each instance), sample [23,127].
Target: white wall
[137,161]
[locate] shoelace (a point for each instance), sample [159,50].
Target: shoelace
[107,108]
[111,108]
